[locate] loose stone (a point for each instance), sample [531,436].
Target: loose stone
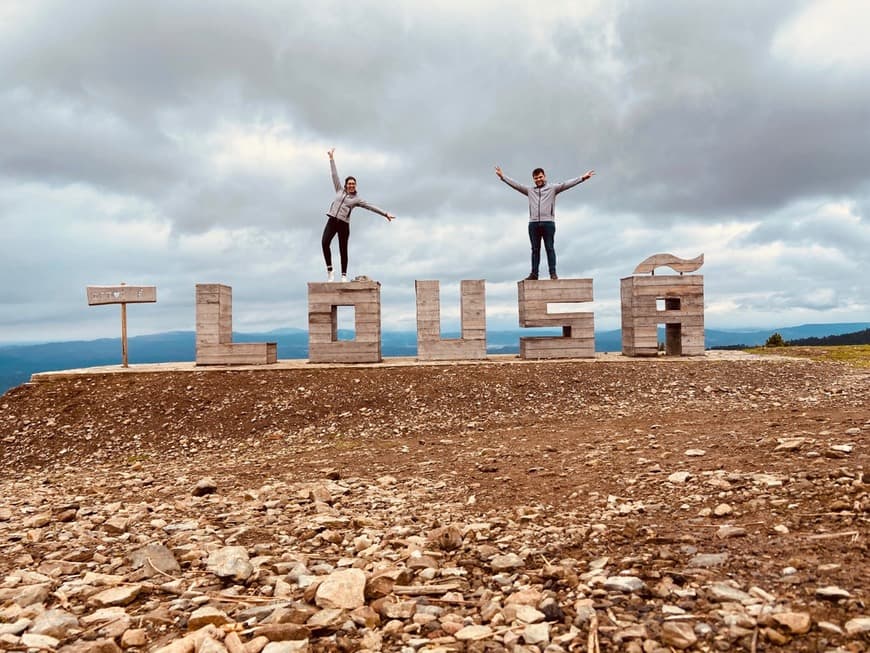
[857,626]
[832,593]
[796,622]
[678,634]
[537,633]
[708,560]
[506,562]
[116,596]
[343,589]
[625,584]
[55,623]
[473,633]
[207,615]
[205,486]
[230,562]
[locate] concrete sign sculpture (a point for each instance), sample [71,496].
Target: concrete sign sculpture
[323,302]
[123,295]
[472,344]
[214,331]
[674,300]
[578,337]
[677,301]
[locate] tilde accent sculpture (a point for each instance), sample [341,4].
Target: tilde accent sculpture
[677,301]
[649,264]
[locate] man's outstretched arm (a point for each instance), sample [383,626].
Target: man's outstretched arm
[565,185]
[510,182]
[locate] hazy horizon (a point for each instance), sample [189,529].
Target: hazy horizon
[532,331]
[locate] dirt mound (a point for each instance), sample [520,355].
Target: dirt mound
[605,481]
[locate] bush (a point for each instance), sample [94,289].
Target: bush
[775,341]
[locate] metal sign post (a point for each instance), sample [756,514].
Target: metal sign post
[123,295]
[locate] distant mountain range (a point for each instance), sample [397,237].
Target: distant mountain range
[856,338]
[19,362]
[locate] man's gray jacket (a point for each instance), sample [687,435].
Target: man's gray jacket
[344,202]
[542,201]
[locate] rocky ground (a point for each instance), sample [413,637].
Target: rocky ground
[643,506]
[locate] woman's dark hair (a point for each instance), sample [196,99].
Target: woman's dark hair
[538,170]
[347,179]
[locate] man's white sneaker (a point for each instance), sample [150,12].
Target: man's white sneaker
[344,278]
[330,276]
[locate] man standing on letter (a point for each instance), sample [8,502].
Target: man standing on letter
[542,215]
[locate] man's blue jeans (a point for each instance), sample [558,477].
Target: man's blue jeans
[545,231]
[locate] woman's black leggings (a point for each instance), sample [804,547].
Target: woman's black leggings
[335,226]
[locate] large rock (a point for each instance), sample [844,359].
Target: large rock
[106,615]
[210,645]
[473,633]
[708,560]
[31,640]
[506,562]
[528,614]
[230,562]
[31,594]
[290,646]
[344,589]
[207,615]
[678,634]
[153,559]
[55,623]
[15,628]
[327,619]
[797,622]
[94,646]
[832,593]
[134,637]
[858,625]
[724,592]
[627,584]
[121,595]
[537,633]
[204,486]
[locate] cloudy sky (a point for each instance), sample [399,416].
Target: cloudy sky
[174,143]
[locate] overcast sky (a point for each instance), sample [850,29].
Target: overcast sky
[174,143]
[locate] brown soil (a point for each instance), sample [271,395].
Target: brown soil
[557,436]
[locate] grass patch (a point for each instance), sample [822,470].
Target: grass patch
[857,355]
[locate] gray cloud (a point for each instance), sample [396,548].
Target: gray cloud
[123,116]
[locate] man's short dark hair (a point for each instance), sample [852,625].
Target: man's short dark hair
[537,171]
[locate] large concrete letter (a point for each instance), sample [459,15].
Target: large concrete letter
[677,301]
[578,337]
[214,331]
[323,302]
[430,345]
